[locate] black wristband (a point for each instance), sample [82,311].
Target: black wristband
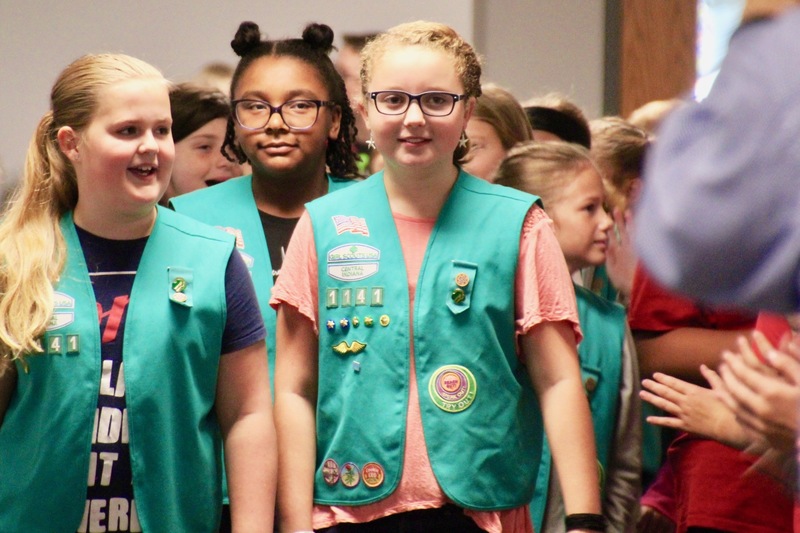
[593,522]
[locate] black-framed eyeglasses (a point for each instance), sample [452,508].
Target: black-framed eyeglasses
[431,103]
[254,114]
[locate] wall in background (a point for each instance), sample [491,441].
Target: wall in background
[529,46]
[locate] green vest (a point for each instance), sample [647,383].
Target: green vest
[600,353]
[231,207]
[171,354]
[480,418]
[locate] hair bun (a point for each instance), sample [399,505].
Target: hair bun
[319,36]
[247,37]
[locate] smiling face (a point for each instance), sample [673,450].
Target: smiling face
[276,150]
[413,140]
[486,150]
[199,162]
[580,221]
[123,158]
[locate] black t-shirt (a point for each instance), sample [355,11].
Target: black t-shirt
[112,265]
[278,232]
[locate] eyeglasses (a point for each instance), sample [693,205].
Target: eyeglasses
[296,114]
[431,103]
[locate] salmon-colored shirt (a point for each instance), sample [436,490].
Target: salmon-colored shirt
[544,292]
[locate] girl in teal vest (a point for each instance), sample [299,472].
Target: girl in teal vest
[120,427]
[293,124]
[419,332]
[569,183]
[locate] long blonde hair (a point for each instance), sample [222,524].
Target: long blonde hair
[32,247]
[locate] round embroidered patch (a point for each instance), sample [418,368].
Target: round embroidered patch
[350,475]
[372,474]
[452,388]
[330,472]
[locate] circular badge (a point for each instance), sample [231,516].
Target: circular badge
[179,285]
[372,474]
[350,475]
[330,471]
[458,296]
[178,297]
[452,388]
[462,280]
[384,320]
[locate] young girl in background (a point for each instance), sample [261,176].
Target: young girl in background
[84,240]
[291,120]
[199,119]
[409,348]
[567,180]
[498,123]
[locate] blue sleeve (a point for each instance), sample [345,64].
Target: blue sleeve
[244,326]
[719,217]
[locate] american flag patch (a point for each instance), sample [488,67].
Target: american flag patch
[346,223]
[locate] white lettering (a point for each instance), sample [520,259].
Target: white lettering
[135,527]
[109,425]
[121,381]
[124,439]
[118,514]
[108,459]
[97,516]
[92,468]
[105,379]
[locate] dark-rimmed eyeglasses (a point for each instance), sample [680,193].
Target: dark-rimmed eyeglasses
[431,103]
[296,114]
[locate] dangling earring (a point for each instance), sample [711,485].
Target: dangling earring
[370,142]
[462,142]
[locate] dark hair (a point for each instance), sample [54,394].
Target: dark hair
[313,49]
[193,107]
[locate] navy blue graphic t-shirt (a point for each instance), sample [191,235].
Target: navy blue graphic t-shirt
[110,503]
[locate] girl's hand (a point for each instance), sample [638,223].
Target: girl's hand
[693,409]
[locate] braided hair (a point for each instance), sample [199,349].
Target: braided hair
[314,49]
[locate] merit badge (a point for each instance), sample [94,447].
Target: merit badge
[330,324]
[350,475]
[355,322]
[180,285]
[452,388]
[330,471]
[353,262]
[368,321]
[351,224]
[462,280]
[372,474]
[458,296]
[384,320]
[342,348]
[63,311]
[345,324]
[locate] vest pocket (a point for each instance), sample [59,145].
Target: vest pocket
[461,285]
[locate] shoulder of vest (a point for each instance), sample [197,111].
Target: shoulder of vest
[217,192]
[191,227]
[480,186]
[595,301]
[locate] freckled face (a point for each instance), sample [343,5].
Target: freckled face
[581,223]
[123,158]
[414,139]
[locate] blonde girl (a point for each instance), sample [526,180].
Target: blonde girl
[117,427]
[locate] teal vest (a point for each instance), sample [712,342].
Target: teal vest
[481,421]
[231,207]
[171,354]
[600,353]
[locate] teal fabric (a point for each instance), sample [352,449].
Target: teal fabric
[171,354]
[484,450]
[600,353]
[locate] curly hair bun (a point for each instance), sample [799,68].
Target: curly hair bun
[247,37]
[319,36]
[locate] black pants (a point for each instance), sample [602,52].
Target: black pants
[447,519]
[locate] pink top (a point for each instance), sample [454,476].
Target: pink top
[544,292]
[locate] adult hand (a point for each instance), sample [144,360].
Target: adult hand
[764,397]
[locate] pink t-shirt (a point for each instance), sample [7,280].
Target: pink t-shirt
[544,292]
